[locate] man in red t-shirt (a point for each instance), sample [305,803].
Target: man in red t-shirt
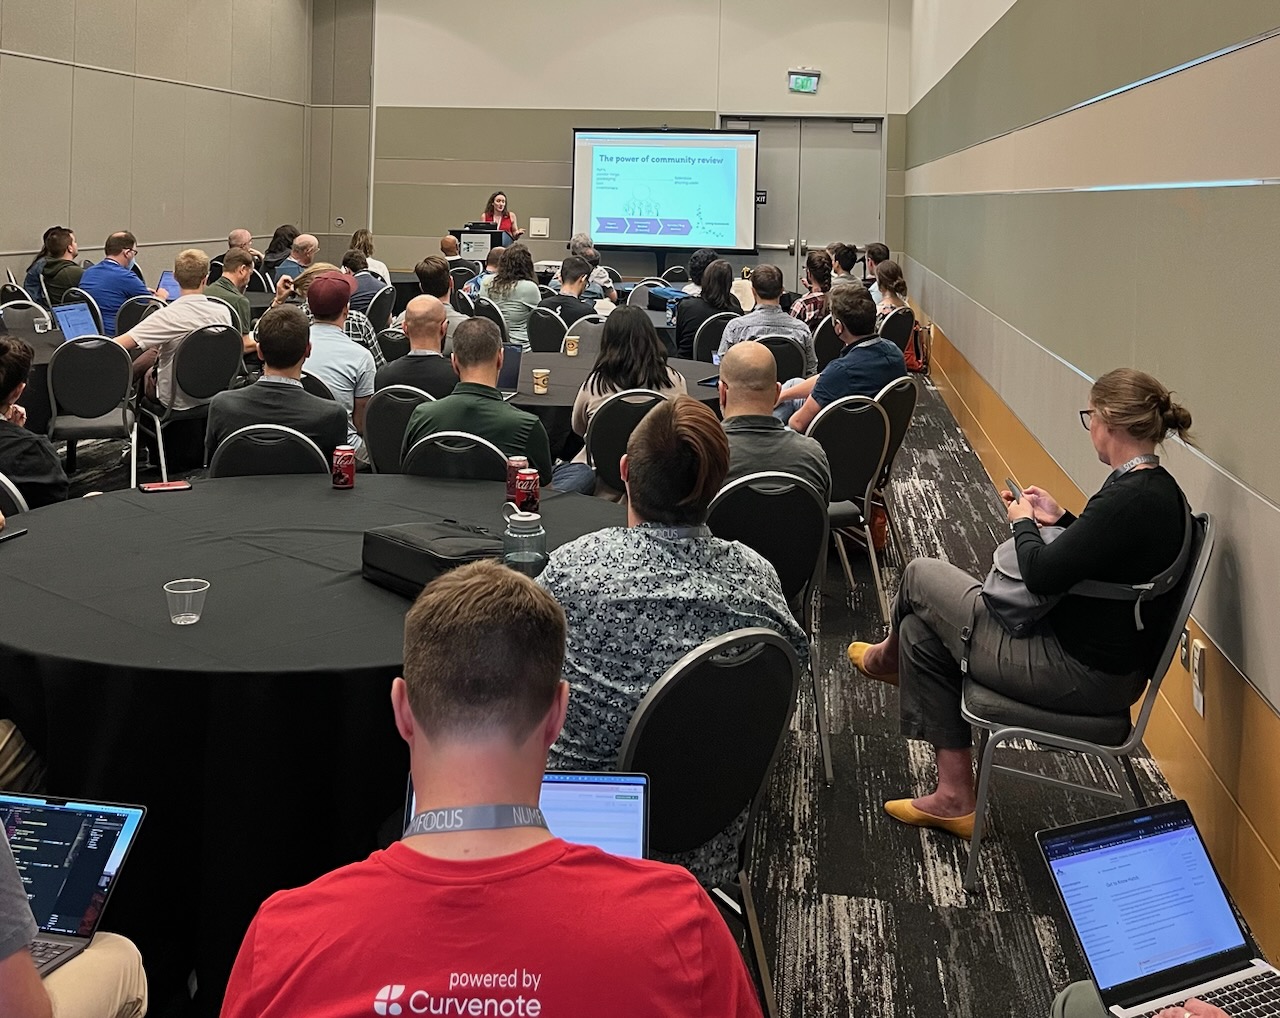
[480,910]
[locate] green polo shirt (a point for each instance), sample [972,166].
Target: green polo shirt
[480,410]
[221,287]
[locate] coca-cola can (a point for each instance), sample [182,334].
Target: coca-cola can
[344,467]
[514,465]
[527,491]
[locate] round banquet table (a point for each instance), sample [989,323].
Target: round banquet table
[260,739]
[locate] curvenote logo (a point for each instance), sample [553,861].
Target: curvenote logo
[385,1001]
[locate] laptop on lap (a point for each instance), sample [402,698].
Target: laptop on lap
[69,855]
[1152,917]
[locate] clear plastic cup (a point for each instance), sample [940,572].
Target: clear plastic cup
[186,600]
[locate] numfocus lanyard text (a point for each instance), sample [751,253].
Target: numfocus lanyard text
[475,818]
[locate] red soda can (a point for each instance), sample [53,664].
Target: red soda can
[514,465]
[344,467]
[527,491]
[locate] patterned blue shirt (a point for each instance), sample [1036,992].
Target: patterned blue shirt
[637,600]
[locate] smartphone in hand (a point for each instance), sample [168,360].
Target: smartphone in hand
[1017,492]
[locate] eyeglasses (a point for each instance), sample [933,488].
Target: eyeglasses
[1085,418]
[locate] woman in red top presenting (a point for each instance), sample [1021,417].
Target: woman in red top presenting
[497,212]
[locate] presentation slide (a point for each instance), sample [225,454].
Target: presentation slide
[666,189]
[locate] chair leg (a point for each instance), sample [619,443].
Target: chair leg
[752,922]
[985,761]
[820,714]
[164,467]
[133,456]
[1139,799]
[875,571]
[844,559]
[899,546]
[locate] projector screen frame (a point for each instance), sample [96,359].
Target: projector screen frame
[663,250]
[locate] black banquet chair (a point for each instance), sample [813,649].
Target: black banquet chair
[676,275]
[611,427]
[707,733]
[462,303]
[546,331]
[788,354]
[897,326]
[315,385]
[267,449]
[11,501]
[11,291]
[134,310]
[386,418]
[91,395]
[393,343]
[461,276]
[826,344]
[380,308]
[898,399]
[706,341]
[75,295]
[485,308]
[456,454]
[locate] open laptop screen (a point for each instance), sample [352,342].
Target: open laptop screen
[1142,894]
[68,856]
[75,320]
[509,376]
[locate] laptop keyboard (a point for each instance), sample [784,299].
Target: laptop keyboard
[1255,997]
[44,951]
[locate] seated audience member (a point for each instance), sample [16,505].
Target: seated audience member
[514,289]
[568,303]
[844,258]
[242,240]
[367,284]
[284,343]
[864,366]
[599,282]
[876,253]
[296,290]
[278,249]
[491,262]
[757,440]
[303,253]
[477,407]
[31,281]
[424,366]
[768,319]
[345,366]
[21,769]
[893,290]
[449,248]
[61,271]
[434,281]
[481,699]
[237,267]
[698,262]
[106,980]
[714,297]
[1086,656]
[631,357]
[812,307]
[160,334]
[638,598]
[111,282]
[362,241]
[28,459]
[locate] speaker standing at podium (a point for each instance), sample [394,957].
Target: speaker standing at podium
[497,212]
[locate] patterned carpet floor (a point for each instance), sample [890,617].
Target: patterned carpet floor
[864,916]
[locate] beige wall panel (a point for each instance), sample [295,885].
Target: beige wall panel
[321,179]
[943,31]
[209,32]
[353,51]
[431,210]
[208,162]
[454,171]
[286,162]
[757,48]
[895,141]
[251,46]
[159,149]
[534,64]
[106,34]
[248,195]
[349,194]
[38,198]
[162,39]
[290,49]
[322,19]
[44,28]
[101,156]
[898,72]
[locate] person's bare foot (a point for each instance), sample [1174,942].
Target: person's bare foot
[946,804]
[877,660]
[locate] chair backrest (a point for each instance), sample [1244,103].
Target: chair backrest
[896,327]
[44,291]
[1186,590]
[136,269]
[456,454]
[207,360]
[134,310]
[11,291]
[235,315]
[462,303]
[258,283]
[24,312]
[652,281]
[316,386]
[386,418]
[706,340]
[639,295]
[826,344]
[589,329]
[899,401]
[393,343]
[380,308]
[75,295]
[676,274]
[486,308]
[267,449]
[707,734]
[215,269]
[854,433]
[614,275]
[89,377]
[8,274]
[461,276]
[788,354]
[11,500]
[611,427]
[546,331]
[546,291]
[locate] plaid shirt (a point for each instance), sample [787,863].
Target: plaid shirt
[811,308]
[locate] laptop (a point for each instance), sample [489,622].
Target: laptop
[509,376]
[600,808]
[75,320]
[169,284]
[1152,917]
[69,855]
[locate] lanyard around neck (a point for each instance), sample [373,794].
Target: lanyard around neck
[452,819]
[1137,461]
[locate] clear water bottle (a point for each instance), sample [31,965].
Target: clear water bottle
[524,542]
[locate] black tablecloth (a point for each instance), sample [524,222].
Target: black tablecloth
[261,738]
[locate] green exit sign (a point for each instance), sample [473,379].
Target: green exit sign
[803,81]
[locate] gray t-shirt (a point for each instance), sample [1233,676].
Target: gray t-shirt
[17,925]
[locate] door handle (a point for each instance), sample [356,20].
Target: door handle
[791,246]
[804,247]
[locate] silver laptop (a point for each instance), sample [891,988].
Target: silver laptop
[75,320]
[69,855]
[1152,917]
[600,808]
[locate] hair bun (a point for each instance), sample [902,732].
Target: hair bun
[1176,417]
